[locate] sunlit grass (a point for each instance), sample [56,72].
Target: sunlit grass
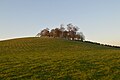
[50,58]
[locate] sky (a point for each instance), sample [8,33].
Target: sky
[99,20]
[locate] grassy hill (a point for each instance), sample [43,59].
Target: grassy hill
[50,58]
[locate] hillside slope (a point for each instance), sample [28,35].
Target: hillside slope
[50,58]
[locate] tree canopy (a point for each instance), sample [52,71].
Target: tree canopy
[71,32]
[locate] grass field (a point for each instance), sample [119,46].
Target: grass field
[57,59]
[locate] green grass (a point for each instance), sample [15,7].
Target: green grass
[51,59]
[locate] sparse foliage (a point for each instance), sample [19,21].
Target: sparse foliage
[82,37]
[69,27]
[71,33]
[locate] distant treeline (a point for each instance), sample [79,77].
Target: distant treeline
[71,33]
[102,44]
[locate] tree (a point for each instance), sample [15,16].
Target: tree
[52,33]
[72,31]
[45,32]
[69,27]
[82,37]
[62,27]
[71,34]
[75,28]
[58,32]
[77,36]
[65,34]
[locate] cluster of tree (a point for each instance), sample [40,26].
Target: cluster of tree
[71,33]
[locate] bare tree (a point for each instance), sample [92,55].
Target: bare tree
[72,31]
[58,32]
[82,37]
[45,32]
[65,34]
[52,33]
[77,36]
[71,34]
[75,28]
[62,29]
[69,27]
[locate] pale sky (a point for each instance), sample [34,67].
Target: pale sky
[99,20]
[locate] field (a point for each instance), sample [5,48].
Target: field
[57,59]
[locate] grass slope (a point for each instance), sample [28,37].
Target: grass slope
[49,58]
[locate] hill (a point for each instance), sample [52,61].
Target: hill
[52,58]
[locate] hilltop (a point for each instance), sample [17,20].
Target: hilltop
[55,58]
